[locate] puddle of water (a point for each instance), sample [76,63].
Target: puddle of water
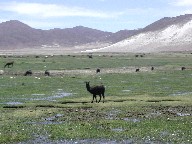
[164,78]
[164,133]
[49,120]
[124,81]
[181,93]
[126,90]
[14,103]
[132,120]
[46,122]
[38,94]
[153,114]
[183,114]
[45,140]
[36,97]
[112,114]
[51,98]
[53,117]
[117,129]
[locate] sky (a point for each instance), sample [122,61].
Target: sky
[105,15]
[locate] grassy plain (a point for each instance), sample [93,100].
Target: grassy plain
[141,107]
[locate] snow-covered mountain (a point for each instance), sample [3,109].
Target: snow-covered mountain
[167,34]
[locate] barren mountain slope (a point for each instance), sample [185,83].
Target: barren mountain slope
[176,35]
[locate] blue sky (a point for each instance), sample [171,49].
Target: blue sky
[105,15]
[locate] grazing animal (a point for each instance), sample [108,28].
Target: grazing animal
[183,68]
[98,70]
[9,64]
[90,56]
[29,72]
[152,68]
[96,90]
[137,70]
[47,73]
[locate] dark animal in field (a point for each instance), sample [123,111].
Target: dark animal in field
[152,68]
[29,72]
[47,73]
[98,70]
[96,90]
[9,64]
[90,56]
[137,70]
[183,68]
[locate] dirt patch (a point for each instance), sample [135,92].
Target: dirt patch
[87,71]
[164,100]
[172,111]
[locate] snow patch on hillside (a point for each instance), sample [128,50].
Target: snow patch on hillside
[172,38]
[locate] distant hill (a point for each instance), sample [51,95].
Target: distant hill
[15,35]
[165,35]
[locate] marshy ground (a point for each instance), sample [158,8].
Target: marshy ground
[140,107]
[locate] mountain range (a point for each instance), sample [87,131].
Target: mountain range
[166,34]
[15,34]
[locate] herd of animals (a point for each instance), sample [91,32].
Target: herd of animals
[94,90]
[28,72]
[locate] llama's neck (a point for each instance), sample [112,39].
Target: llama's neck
[88,87]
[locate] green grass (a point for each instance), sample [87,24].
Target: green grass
[153,106]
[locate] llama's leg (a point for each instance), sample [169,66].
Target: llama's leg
[92,99]
[103,98]
[96,98]
[100,98]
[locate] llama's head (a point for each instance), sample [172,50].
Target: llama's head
[87,84]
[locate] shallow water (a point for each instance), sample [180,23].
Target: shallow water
[183,114]
[49,120]
[181,93]
[126,90]
[53,98]
[112,114]
[35,97]
[46,140]
[117,130]
[132,120]
[14,103]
